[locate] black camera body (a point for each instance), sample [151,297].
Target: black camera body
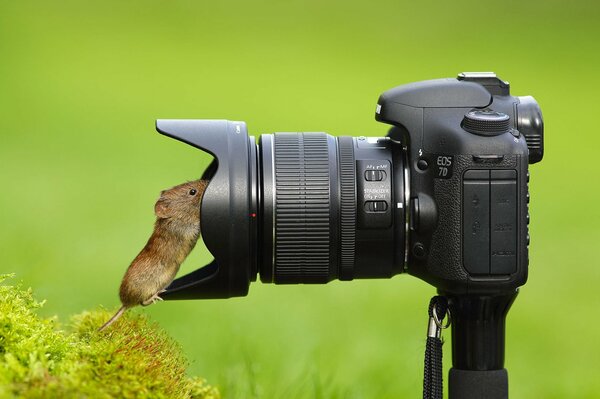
[470,144]
[444,197]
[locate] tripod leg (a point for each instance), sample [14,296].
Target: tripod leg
[478,324]
[489,384]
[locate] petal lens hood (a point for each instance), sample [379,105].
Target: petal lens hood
[228,208]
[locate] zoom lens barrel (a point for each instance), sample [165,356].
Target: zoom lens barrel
[311,202]
[302,201]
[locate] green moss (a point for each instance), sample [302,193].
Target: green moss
[38,359]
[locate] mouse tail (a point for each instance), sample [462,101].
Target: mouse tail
[114,318]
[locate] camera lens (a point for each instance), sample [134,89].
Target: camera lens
[326,208]
[295,208]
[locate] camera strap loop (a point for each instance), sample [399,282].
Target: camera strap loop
[432,376]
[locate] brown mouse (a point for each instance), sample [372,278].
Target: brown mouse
[175,234]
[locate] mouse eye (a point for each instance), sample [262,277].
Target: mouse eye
[193,191]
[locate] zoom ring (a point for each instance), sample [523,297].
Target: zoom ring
[347,167]
[302,224]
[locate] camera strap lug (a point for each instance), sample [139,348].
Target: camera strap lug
[432,375]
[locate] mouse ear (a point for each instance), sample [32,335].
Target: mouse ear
[161,209]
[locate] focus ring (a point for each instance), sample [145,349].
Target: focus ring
[347,167]
[302,232]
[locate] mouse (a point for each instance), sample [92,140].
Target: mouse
[176,231]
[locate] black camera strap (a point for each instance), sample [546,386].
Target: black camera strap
[432,375]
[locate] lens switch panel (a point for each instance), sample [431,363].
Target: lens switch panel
[374,193]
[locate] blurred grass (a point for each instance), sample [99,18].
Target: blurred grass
[81,84]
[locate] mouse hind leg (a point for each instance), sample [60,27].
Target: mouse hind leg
[153,298]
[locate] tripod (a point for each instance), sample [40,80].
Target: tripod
[478,327]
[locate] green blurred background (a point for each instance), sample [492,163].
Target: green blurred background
[81,84]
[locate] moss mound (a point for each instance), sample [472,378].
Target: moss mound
[135,360]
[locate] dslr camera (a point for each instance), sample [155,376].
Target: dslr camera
[443,197]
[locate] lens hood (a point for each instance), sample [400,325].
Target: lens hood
[228,208]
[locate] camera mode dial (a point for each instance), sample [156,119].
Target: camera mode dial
[486,122]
